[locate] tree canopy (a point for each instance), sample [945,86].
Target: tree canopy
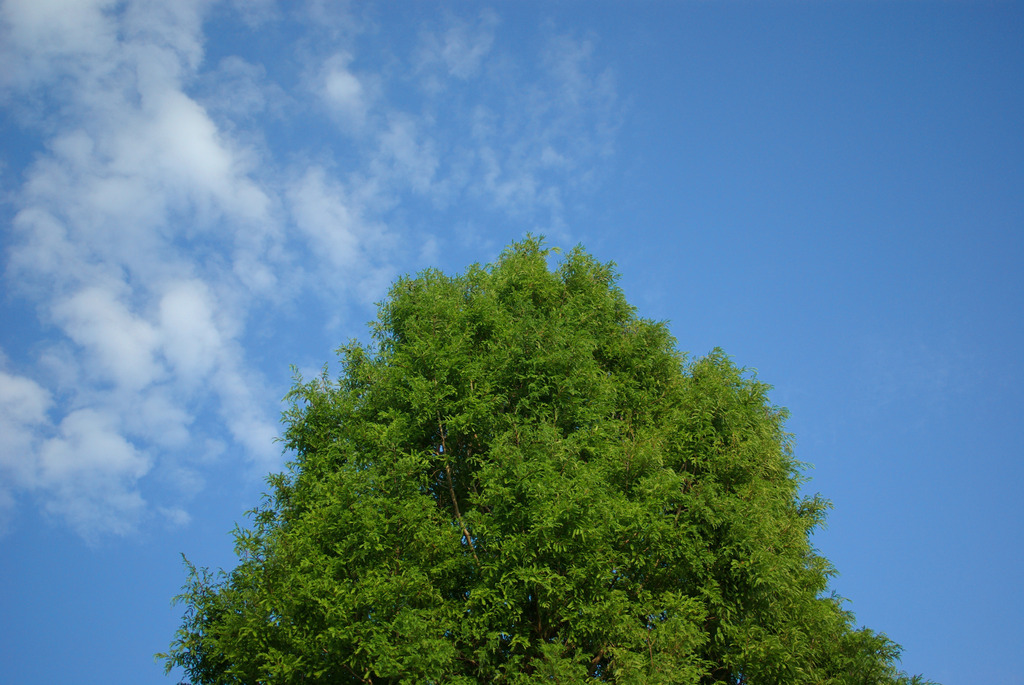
[520,480]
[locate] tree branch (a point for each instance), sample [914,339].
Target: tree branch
[451,491]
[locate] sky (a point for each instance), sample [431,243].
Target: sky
[196,196]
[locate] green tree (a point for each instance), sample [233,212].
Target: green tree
[522,481]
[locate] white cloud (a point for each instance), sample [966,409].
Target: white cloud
[177,518]
[324,213]
[242,401]
[459,50]
[24,405]
[22,401]
[192,341]
[333,219]
[406,154]
[159,232]
[117,344]
[41,36]
[160,419]
[134,177]
[90,444]
[343,92]
[89,473]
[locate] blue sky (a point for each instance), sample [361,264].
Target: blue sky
[198,194]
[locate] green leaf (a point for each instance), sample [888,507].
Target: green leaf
[521,480]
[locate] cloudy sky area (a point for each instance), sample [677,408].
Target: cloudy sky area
[199,194]
[186,198]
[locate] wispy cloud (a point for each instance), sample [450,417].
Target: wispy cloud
[162,214]
[521,137]
[457,50]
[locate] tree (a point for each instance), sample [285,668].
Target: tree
[522,481]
